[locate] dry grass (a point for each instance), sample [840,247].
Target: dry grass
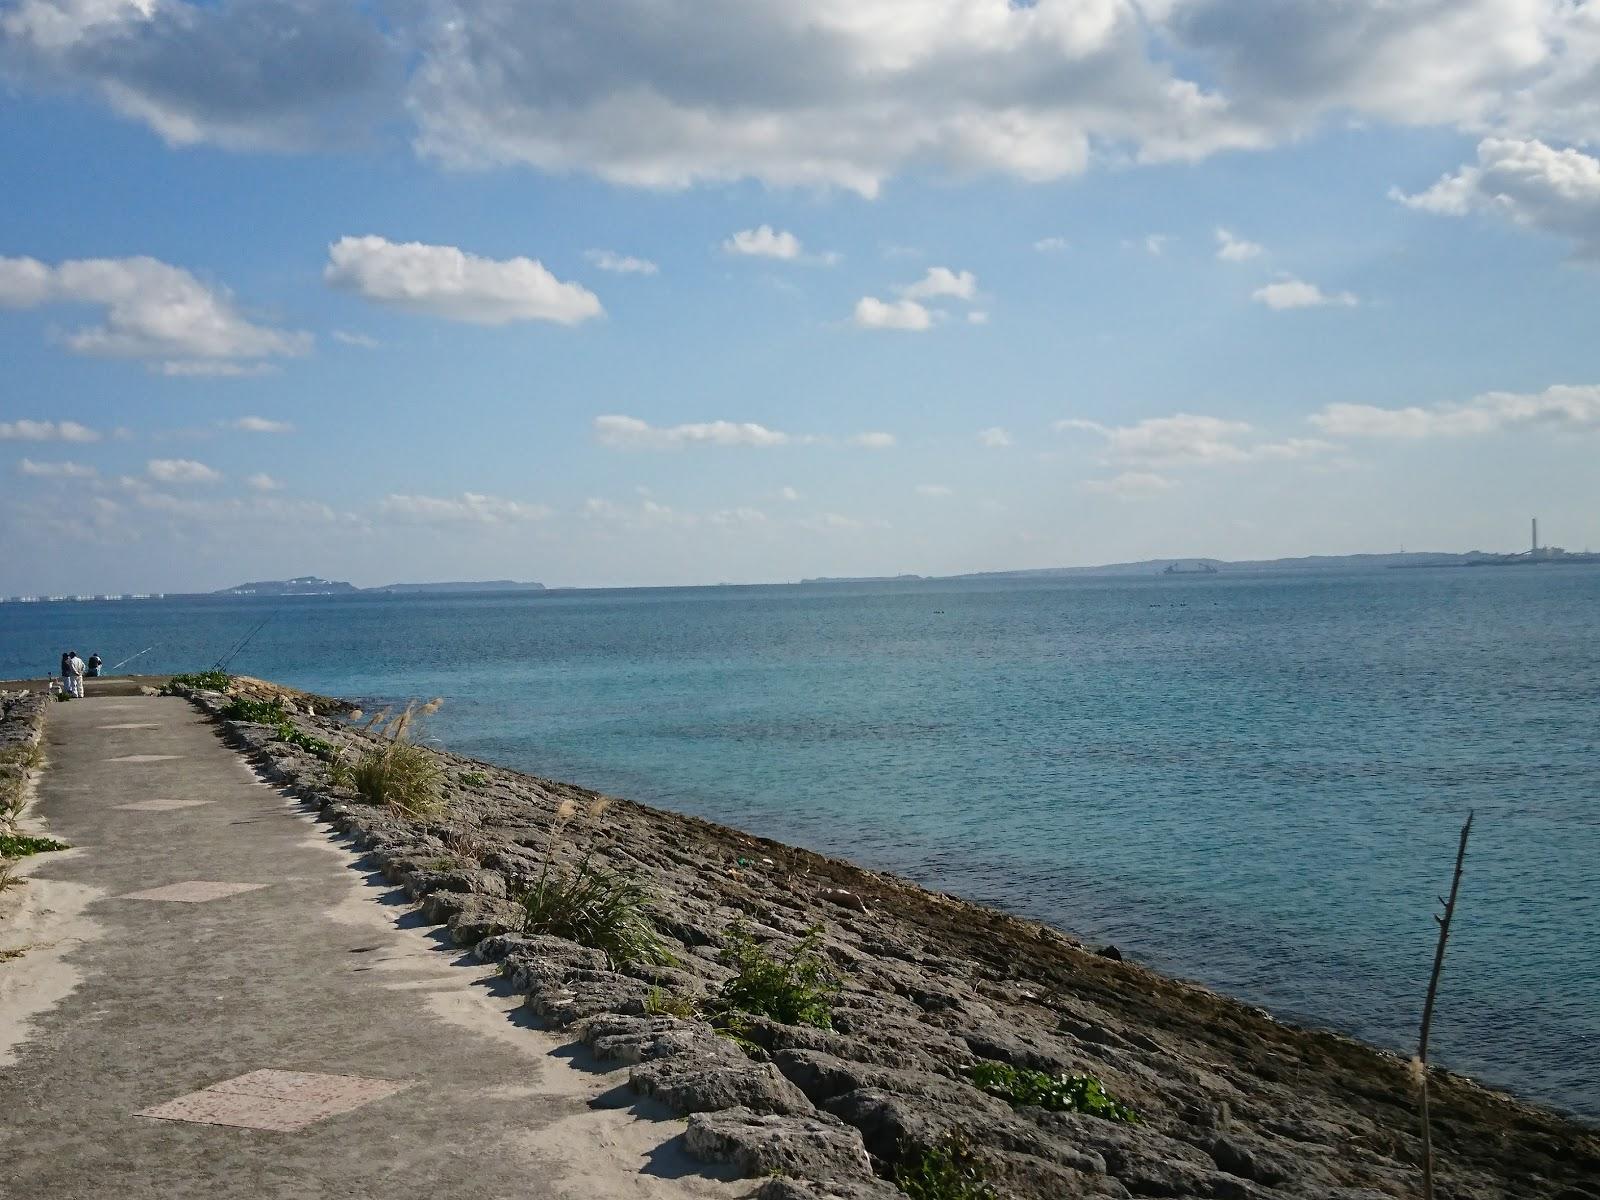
[396,773]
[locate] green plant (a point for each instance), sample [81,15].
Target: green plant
[62,697]
[798,989]
[26,757]
[296,737]
[403,776]
[261,712]
[20,845]
[662,1003]
[1019,1086]
[206,681]
[597,908]
[473,779]
[948,1171]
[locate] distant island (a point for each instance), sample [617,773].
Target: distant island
[313,585]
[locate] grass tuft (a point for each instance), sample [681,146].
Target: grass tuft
[798,989]
[601,909]
[662,1003]
[1019,1086]
[948,1171]
[20,845]
[400,775]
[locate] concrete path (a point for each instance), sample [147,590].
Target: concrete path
[206,936]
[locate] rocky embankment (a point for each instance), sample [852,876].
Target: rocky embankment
[21,726]
[1231,1103]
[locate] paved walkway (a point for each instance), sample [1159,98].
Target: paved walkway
[205,936]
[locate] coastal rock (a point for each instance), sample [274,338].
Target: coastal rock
[688,1085]
[764,1144]
[585,994]
[480,917]
[784,1188]
[823,1076]
[639,1039]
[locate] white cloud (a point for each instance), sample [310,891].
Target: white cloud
[1129,485]
[1051,245]
[444,281]
[788,493]
[212,369]
[468,508]
[743,515]
[1236,249]
[977,317]
[56,470]
[262,482]
[151,311]
[630,433]
[1296,293]
[1156,243]
[46,431]
[1188,439]
[764,242]
[260,425]
[1528,183]
[942,281]
[873,441]
[181,470]
[359,340]
[620,264]
[934,490]
[1562,408]
[906,316]
[995,438]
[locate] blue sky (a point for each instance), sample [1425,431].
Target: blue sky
[929,288]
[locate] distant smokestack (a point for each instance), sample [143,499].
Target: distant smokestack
[1536,535]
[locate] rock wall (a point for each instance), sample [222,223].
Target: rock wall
[1232,1103]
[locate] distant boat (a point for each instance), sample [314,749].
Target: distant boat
[1199,568]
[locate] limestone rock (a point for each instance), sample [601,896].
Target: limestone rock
[688,1085]
[763,1144]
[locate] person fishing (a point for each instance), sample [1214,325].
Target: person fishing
[75,667]
[66,672]
[92,668]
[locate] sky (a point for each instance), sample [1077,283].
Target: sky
[692,291]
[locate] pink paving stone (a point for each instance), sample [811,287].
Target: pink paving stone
[161,805]
[193,891]
[280,1101]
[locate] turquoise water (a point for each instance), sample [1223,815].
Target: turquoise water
[1256,782]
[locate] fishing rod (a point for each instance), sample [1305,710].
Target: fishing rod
[237,648]
[131,657]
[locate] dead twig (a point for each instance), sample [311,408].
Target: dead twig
[1427,1010]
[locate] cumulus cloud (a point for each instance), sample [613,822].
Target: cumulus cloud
[1296,293]
[260,425]
[181,470]
[941,282]
[620,264]
[1188,439]
[1561,408]
[152,310]
[56,470]
[995,438]
[1129,485]
[262,482]
[46,431]
[873,441]
[244,74]
[631,433]
[1236,249]
[1527,183]
[763,242]
[469,508]
[906,316]
[443,281]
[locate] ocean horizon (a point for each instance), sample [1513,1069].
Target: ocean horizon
[1254,781]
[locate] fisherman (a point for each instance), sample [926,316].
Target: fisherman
[93,669]
[75,667]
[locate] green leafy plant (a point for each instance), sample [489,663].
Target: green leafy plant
[1019,1086]
[473,779]
[796,989]
[594,907]
[206,681]
[261,712]
[948,1171]
[20,845]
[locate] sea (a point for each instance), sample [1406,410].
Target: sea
[1255,781]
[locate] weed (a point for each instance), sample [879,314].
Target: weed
[26,757]
[20,845]
[403,776]
[797,990]
[315,746]
[443,862]
[205,681]
[62,697]
[9,877]
[596,908]
[662,1003]
[261,712]
[948,1171]
[474,779]
[1019,1086]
